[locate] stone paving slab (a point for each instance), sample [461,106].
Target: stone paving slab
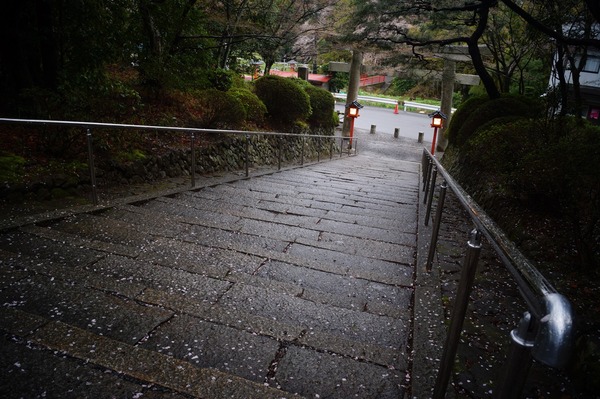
[295,283]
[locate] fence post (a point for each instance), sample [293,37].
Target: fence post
[302,151]
[318,149]
[247,153]
[429,198]
[193,159]
[91,166]
[280,140]
[459,311]
[424,166]
[436,225]
[518,361]
[428,181]
[331,148]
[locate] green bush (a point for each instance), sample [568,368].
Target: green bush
[255,109]
[481,111]
[339,81]
[491,158]
[562,177]
[322,104]
[221,79]
[217,109]
[546,166]
[461,115]
[399,86]
[285,100]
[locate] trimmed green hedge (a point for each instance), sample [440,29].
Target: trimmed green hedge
[478,111]
[285,100]
[220,110]
[255,109]
[322,104]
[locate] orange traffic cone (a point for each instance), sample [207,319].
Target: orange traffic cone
[396,109]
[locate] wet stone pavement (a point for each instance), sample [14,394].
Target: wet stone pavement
[297,283]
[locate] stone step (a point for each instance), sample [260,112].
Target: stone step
[120,367]
[127,277]
[203,260]
[274,291]
[86,299]
[290,204]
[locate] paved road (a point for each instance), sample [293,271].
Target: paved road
[386,121]
[297,283]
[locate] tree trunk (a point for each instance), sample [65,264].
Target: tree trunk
[352,94]
[48,48]
[473,45]
[448,77]
[153,34]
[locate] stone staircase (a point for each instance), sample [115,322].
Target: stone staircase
[294,284]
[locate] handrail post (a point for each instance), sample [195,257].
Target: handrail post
[247,153]
[424,166]
[459,311]
[318,149]
[193,154]
[518,362]
[91,166]
[436,225]
[427,182]
[280,141]
[429,199]
[302,150]
[331,142]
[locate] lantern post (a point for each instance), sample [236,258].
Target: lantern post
[352,113]
[437,121]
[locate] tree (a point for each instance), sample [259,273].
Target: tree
[284,23]
[172,44]
[513,47]
[422,25]
[425,25]
[46,45]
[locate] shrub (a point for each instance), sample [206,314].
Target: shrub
[213,108]
[399,86]
[255,109]
[285,100]
[562,177]
[322,104]
[477,111]
[221,79]
[461,115]
[548,167]
[499,144]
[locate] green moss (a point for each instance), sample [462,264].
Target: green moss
[131,156]
[11,167]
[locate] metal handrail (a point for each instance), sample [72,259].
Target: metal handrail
[192,131]
[548,330]
[149,127]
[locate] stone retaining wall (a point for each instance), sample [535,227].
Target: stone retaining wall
[226,155]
